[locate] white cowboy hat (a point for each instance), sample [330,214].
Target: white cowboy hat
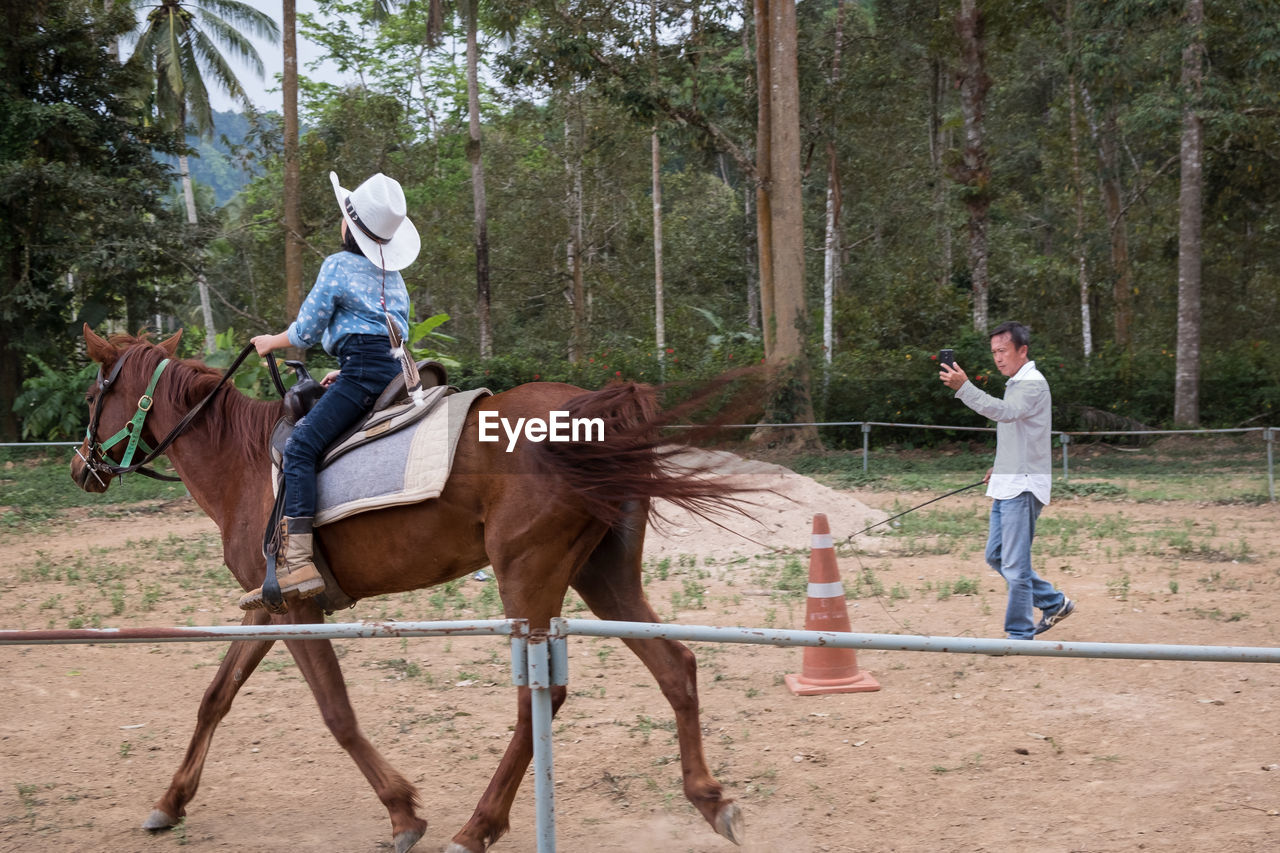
[375,215]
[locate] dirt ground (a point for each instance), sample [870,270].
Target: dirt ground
[954,753]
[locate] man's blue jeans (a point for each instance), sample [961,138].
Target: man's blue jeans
[366,367]
[1013,526]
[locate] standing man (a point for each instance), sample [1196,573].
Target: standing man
[1019,482]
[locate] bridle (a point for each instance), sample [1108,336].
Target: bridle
[131,432]
[96,461]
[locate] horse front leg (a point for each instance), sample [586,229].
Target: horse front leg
[241,660]
[319,665]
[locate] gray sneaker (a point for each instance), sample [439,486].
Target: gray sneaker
[1050,619]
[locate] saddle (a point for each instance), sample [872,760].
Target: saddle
[304,394]
[393,411]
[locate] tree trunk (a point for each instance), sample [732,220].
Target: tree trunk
[202,285]
[831,255]
[578,299]
[831,243]
[659,308]
[782,219]
[1186,398]
[751,189]
[655,157]
[1117,228]
[1082,269]
[975,173]
[751,258]
[937,144]
[481,213]
[10,385]
[764,175]
[292,194]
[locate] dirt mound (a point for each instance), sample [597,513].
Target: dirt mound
[779,512]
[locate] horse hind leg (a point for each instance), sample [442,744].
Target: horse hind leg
[611,585]
[490,820]
[241,660]
[319,666]
[532,583]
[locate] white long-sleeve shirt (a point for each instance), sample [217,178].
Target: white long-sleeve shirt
[1023,433]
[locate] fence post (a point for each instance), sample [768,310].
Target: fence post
[866,445]
[1066,439]
[540,679]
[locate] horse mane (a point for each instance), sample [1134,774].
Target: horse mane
[244,420]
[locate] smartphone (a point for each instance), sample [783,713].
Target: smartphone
[947,357]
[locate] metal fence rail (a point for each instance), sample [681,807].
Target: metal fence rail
[916,642]
[540,659]
[334,631]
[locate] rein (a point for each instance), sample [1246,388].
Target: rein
[132,431]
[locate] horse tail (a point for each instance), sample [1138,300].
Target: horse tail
[631,460]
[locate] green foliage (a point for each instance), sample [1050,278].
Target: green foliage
[425,330]
[677,373]
[87,234]
[52,403]
[253,376]
[571,100]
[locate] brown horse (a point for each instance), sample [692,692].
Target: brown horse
[546,517]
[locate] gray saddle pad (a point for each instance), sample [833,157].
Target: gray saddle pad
[406,466]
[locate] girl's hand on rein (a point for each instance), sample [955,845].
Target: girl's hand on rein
[266,344]
[330,378]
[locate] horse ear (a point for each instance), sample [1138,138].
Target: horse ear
[170,345]
[98,348]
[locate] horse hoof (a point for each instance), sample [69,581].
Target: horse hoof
[729,823]
[158,820]
[455,847]
[405,840]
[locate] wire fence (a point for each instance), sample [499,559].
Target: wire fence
[1269,435]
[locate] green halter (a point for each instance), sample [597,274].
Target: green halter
[133,429]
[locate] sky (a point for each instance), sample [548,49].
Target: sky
[265,91]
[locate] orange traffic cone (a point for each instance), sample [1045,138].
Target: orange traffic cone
[827,670]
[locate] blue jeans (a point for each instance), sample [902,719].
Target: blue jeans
[1013,526]
[366,367]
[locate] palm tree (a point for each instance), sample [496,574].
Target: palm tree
[292,194]
[182,41]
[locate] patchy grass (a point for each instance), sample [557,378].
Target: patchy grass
[1223,469]
[37,486]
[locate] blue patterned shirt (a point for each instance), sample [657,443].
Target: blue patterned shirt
[347,300]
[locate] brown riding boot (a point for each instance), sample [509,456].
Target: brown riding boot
[295,571]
